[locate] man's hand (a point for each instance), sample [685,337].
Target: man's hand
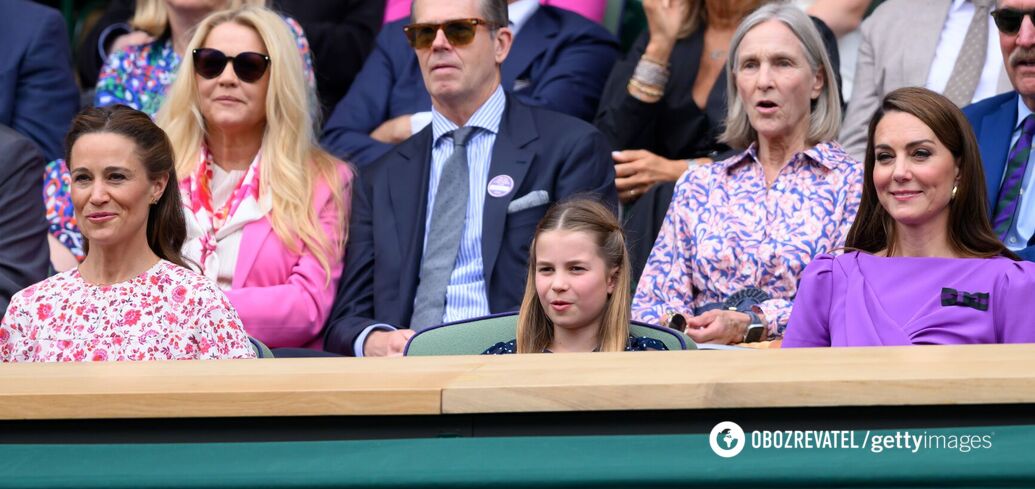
[718,326]
[637,170]
[393,131]
[386,343]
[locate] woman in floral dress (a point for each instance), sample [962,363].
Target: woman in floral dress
[132,298]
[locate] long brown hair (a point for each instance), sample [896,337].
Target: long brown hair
[535,330]
[970,232]
[166,227]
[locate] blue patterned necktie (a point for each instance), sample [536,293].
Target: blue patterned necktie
[1010,192]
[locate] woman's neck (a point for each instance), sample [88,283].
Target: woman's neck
[584,339]
[927,240]
[727,14]
[233,151]
[776,153]
[181,21]
[112,264]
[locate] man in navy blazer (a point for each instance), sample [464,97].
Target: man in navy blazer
[997,124]
[38,94]
[24,255]
[534,158]
[559,60]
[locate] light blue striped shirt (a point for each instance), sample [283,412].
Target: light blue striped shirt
[1024,222]
[466,295]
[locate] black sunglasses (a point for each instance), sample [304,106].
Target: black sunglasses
[249,67]
[459,32]
[1008,20]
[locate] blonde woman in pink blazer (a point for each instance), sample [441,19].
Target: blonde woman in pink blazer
[591,9]
[265,207]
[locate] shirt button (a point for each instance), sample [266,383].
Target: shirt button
[1013,239]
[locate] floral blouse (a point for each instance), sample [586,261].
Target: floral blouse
[725,231]
[165,313]
[139,76]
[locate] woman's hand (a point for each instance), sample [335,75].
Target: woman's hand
[718,326]
[664,20]
[637,170]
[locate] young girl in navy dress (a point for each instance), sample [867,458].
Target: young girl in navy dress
[577,294]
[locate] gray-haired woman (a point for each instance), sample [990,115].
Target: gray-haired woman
[739,232]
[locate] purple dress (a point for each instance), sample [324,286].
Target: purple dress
[858,299]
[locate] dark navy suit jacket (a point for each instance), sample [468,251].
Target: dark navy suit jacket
[24,255]
[539,149]
[38,94]
[559,60]
[993,120]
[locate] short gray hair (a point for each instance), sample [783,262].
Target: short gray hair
[825,119]
[494,11]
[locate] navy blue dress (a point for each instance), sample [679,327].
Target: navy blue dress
[635,343]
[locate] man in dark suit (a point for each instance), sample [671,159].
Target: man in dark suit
[38,95]
[1005,126]
[560,61]
[441,225]
[24,256]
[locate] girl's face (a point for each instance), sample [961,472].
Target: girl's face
[571,279]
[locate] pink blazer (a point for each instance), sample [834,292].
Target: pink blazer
[591,9]
[284,298]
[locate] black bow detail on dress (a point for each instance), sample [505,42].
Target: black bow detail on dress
[974,300]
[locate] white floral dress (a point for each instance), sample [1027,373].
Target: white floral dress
[165,313]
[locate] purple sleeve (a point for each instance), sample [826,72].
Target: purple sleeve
[1016,290]
[809,324]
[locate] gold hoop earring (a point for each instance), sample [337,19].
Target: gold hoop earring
[954,189]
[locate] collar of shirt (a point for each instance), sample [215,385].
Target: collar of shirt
[519,13]
[487,117]
[814,154]
[1022,112]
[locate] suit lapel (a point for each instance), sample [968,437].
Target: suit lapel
[996,132]
[255,234]
[536,35]
[407,191]
[510,157]
[922,43]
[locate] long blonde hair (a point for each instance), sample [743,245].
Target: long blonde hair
[292,162]
[152,16]
[535,330]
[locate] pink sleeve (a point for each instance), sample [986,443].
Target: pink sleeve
[666,285]
[590,9]
[293,314]
[809,324]
[396,9]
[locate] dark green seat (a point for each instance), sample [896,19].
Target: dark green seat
[474,336]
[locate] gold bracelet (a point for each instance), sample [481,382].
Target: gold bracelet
[646,89]
[652,60]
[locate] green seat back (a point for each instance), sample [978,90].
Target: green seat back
[261,350]
[464,338]
[673,340]
[475,336]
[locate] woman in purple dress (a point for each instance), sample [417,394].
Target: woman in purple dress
[924,265]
